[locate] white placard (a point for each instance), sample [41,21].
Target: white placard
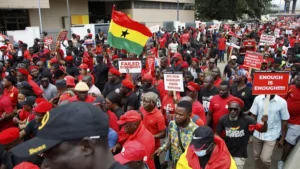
[289,32]
[268,39]
[130,66]
[173,81]
[277,32]
[154,29]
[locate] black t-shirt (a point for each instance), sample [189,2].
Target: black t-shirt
[10,160]
[32,128]
[227,71]
[131,100]
[236,134]
[72,70]
[119,112]
[205,96]
[245,94]
[117,165]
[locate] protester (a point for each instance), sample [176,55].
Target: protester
[6,111]
[49,89]
[207,92]
[129,98]
[114,82]
[93,90]
[206,150]
[82,93]
[113,104]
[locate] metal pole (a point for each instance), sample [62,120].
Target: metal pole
[40,16]
[69,19]
[177,10]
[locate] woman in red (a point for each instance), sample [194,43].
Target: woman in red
[83,70]
[26,114]
[168,106]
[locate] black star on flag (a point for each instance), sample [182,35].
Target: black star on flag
[124,33]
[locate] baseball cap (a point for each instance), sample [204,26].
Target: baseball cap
[30,100]
[132,151]
[232,57]
[72,121]
[70,81]
[130,116]
[81,86]
[99,101]
[24,85]
[61,83]
[202,137]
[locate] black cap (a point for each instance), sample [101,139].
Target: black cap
[202,137]
[61,83]
[99,101]
[11,79]
[30,100]
[24,85]
[71,121]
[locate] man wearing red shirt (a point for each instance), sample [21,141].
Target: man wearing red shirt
[153,120]
[133,126]
[218,105]
[293,132]
[10,90]
[221,47]
[292,41]
[198,109]
[22,75]
[6,111]
[26,52]
[82,89]
[217,76]
[185,38]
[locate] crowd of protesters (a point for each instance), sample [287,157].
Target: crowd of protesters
[73,108]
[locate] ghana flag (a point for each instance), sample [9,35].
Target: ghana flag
[127,34]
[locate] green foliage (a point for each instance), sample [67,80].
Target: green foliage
[229,9]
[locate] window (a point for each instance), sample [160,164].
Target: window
[182,6]
[146,5]
[123,5]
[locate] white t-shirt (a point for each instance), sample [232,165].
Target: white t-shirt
[173,47]
[94,90]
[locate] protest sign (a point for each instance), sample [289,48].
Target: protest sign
[277,32]
[226,26]
[173,81]
[289,32]
[233,40]
[150,63]
[130,66]
[253,59]
[154,29]
[270,83]
[268,39]
[48,40]
[62,35]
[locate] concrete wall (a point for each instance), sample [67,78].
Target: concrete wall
[154,17]
[52,17]
[23,4]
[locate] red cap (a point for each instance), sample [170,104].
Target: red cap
[33,67]
[77,36]
[236,100]
[43,107]
[20,41]
[69,58]
[130,116]
[46,51]
[132,151]
[114,57]
[177,55]
[53,60]
[195,59]
[184,65]
[40,100]
[90,35]
[114,71]
[26,165]
[194,87]
[70,80]
[127,83]
[147,76]
[9,135]
[3,47]
[23,71]
[83,66]
[62,68]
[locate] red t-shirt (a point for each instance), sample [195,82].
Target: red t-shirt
[185,38]
[27,55]
[218,107]
[162,42]
[113,121]
[154,50]
[293,102]
[7,107]
[168,103]
[198,110]
[25,115]
[218,82]
[36,89]
[154,122]
[292,42]
[161,90]
[12,93]
[89,99]
[222,43]
[87,59]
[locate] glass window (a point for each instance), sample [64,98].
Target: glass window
[124,5]
[146,5]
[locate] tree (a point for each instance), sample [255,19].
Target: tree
[229,9]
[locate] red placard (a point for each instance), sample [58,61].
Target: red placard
[48,40]
[253,60]
[270,83]
[150,61]
[62,35]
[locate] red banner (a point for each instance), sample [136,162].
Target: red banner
[253,59]
[270,83]
[62,35]
[150,61]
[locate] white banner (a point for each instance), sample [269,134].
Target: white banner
[277,32]
[268,39]
[289,32]
[130,66]
[154,29]
[173,81]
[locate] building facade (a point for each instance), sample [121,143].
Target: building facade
[19,14]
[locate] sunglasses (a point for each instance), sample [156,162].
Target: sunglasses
[234,109]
